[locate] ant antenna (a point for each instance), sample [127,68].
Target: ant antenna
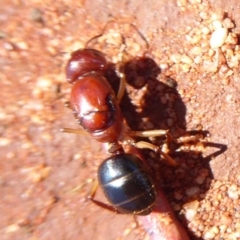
[99,35]
[61,54]
[123,39]
[141,35]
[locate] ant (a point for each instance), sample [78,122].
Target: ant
[124,177]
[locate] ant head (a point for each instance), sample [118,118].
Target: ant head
[85,61]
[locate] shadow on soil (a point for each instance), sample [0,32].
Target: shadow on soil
[161,107]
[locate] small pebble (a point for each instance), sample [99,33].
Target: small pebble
[44,82]
[200,179]
[177,195]
[222,228]
[216,24]
[218,38]
[186,59]
[36,15]
[8,46]
[22,45]
[182,3]
[192,191]
[226,219]
[12,228]
[227,23]
[4,141]
[233,194]
[209,234]
[191,210]
[196,50]
[205,30]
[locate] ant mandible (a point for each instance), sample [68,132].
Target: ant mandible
[123,177]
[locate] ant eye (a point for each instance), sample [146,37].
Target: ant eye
[97,121]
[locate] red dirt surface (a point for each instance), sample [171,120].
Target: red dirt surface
[45,175]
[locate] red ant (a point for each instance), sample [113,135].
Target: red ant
[96,107]
[124,177]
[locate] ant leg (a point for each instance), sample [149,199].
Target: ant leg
[119,70]
[141,35]
[150,133]
[122,86]
[187,138]
[197,148]
[75,131]
[101,34]
[156,149]
[98,203]
[93,191]
[155,133]
[190,143]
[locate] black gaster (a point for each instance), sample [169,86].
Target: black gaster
[127,184]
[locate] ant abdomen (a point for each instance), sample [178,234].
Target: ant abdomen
[127,184]
[85,61]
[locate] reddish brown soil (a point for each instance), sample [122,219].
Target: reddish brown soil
[45,175]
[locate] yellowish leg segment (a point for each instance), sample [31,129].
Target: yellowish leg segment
[94,188]
[122,86]
[150,133]
[75,131]
[155,133]
[156,149]
[98,203]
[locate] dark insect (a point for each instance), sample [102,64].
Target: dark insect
[124,177]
